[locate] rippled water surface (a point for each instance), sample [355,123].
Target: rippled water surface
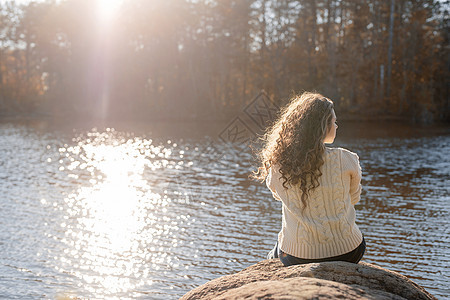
[152,212]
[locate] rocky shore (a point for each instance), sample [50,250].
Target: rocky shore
[269,279]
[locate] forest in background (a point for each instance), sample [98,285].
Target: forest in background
[206,59]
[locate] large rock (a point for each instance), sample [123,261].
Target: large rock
[269,279]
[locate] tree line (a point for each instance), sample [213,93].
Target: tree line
[186,59]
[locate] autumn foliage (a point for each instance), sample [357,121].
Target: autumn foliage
[186,59]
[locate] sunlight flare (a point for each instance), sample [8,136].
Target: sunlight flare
[107,9]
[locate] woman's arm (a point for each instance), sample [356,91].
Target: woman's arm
[355,180]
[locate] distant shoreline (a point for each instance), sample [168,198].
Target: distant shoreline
[343,116]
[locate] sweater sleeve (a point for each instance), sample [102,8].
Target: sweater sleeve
[353,168]
[355,180]
[271,184]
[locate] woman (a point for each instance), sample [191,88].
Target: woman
[318,186]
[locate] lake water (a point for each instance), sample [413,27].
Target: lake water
[154,210]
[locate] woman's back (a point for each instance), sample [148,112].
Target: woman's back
[317,185]
[326,226]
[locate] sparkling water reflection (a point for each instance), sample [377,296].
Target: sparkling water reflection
[111,213]
[103,237]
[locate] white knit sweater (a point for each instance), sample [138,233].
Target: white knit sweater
[327,226]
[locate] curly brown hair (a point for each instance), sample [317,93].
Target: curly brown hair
[295,142]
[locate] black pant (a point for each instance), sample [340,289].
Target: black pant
[352,256]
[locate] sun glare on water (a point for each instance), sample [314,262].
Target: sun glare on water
[112,222]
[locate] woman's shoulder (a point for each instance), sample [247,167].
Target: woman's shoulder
[349,160]
[274,177]
[273,172]
[339,150]
[345,155]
